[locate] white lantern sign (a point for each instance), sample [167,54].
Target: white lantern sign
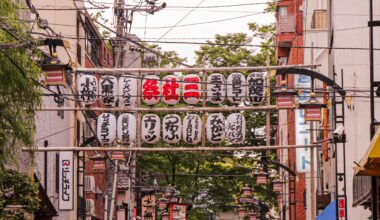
[108,90]
[126,128]
[151,89]
[87,86]
[192,129]
[216,88]
[150,128]
[256,87]
[215,128]
[235,128]
[171,129]
[127,91]
[236,88]
[106,129]
[170,90]
[191,89]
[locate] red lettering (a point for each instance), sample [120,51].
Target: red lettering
[150,89]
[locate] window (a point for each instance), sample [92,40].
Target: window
[283,10]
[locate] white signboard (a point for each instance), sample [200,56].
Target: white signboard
[126,128]
[191,89]
[66,181]
[301,127]
[151,89]
[302,137]
[215,128]
[171,90]
[256,87]
[150,128]
[127,91]
[235,128]
[216,88]
[106,129]
[88,89]
[192,129]
[236,88]
[108,90]
[171,129]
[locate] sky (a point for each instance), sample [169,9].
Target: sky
[195,33]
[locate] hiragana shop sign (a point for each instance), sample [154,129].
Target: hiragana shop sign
[66,181]
[191,89]
[236,128]
[87,86]
[256,87]
[192,127]
[171,90]
[216,88]
[171,127]
[108,90]
[215,128]
[151,89]
[150,128]
[127,91]
[236,88]
[126,128]
[106,129]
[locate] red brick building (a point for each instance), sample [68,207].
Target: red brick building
[289,39]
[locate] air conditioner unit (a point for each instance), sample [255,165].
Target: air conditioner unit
[90,207]
[89,183]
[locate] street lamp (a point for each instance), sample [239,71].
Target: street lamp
[277,185]
[163,203]
[284,94]
[247,191]
[261,176]
[165,216]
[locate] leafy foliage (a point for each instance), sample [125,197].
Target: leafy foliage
[17,189]
[19,95]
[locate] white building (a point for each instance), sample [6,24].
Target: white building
[343,24]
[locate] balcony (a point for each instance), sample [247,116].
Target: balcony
[286,24]
[323,200]
[319,20]
[361,190]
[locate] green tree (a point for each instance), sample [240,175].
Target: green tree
[17,189]
[19,95]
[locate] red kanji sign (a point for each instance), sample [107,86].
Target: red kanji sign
[191,89]
[341,208]
[151,90]
[170,90]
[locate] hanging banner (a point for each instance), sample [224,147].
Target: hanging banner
[66,181]
[191,89]
[216,88]
[192,128]
[150,128]
[106,129]
[171,127]
[127,91]
[256,87]
[151,89]
[236,88]
[235,128]
[215,128]
[170,90]
[126,128]
[87,86]
[108,90]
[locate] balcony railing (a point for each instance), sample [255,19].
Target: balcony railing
[361,190]
[319,19]
[286,24]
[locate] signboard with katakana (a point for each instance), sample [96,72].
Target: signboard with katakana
[127,91]
[106,129]
[150,128]
[236,88]
[235,128]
